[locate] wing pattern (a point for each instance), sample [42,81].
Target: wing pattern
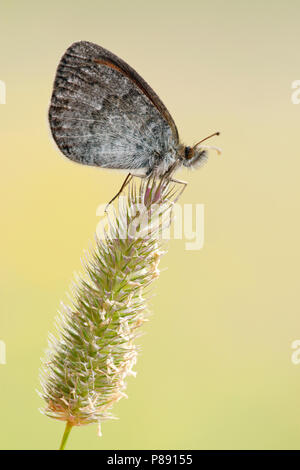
[103,113]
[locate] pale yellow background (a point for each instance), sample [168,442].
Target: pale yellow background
[215,369]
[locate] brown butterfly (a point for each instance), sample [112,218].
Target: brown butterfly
[103,113]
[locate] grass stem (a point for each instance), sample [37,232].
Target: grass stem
[66,435]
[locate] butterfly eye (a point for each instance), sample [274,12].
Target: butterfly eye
[188,152]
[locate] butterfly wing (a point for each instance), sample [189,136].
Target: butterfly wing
[103,113]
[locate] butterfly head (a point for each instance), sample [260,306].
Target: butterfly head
[195,156]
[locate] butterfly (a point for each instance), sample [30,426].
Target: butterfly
[103,113]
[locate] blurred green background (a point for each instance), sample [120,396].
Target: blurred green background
[215,369]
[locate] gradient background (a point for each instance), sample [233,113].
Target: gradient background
[215,370]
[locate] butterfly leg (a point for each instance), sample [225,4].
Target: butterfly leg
[184,185]
[125,183]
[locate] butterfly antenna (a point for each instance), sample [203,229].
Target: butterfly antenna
[212,135]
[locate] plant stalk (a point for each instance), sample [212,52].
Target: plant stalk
[66,435]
